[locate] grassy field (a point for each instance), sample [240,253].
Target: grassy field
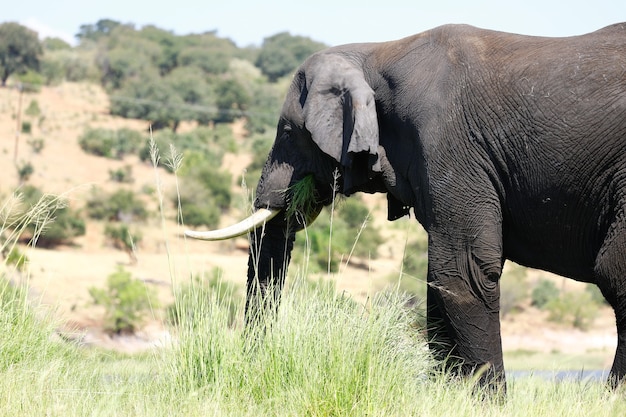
[323,355]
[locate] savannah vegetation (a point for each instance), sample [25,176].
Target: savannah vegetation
[326,353]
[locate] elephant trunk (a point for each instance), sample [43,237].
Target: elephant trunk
[269,256]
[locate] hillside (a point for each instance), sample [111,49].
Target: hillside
[60,278]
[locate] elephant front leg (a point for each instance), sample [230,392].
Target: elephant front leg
[464,311]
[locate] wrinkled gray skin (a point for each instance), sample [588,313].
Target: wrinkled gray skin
[505,146]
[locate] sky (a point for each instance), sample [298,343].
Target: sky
[334,22]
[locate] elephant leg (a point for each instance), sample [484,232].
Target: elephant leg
[610,269]
[463,302]
[270,252]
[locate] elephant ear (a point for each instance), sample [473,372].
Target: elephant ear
[340,113]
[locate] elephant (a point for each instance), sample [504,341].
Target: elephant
[504,146]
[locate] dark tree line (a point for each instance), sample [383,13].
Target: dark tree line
[156,75]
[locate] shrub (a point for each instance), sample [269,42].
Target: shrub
[27,127]
[596,294]
[36,144]
[575,308]
[201,147]
[16,258]
[55,223]
[117,206]
[126,301]
[544,292]
[33,109]
[110,143]
[24,171]
[122,175]
[121,237]
[414,268]
[513,288]
[331,243]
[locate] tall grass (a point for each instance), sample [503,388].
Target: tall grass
[322,354]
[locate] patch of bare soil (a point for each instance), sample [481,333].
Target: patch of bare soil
[61,278]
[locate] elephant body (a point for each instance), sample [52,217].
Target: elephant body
[504,146]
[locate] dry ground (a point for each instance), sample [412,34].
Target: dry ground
[61,278]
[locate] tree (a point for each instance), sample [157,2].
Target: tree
[20,50]
[231,99]
[101,28]
[282,53]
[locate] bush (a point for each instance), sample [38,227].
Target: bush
[36,145]
[121,205]
[544,292]
[513,288]
[16,258]
[414,268]
[596,294]
[122,175]
[110,143]
[24,171]
[575,308]
[344,230]
[121,237]
[33,109]
[27,127]
[55,223]
[200,147]
[126,301]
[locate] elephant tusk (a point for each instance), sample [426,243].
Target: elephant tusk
[258,218]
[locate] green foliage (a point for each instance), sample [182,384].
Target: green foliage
[202,146]
[30,81]
[27,333]
[24,171]
[36,144]
[55,44]
[576,308]
[324,355]
[414,267]
[120,205]
[513,288]
[56,223]
[94,32]
[261,146]
[122,175]
[68,64]
[16,258]
[27,127]
[304,199]
[231,99]
[192,296]
[20,50]
[282,53]
[330,244]
[126,301]
[543,293]
[121,237]
[204,195]
[596,294]
[33,109]
[110,143]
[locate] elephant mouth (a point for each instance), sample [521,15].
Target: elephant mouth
[254,221]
